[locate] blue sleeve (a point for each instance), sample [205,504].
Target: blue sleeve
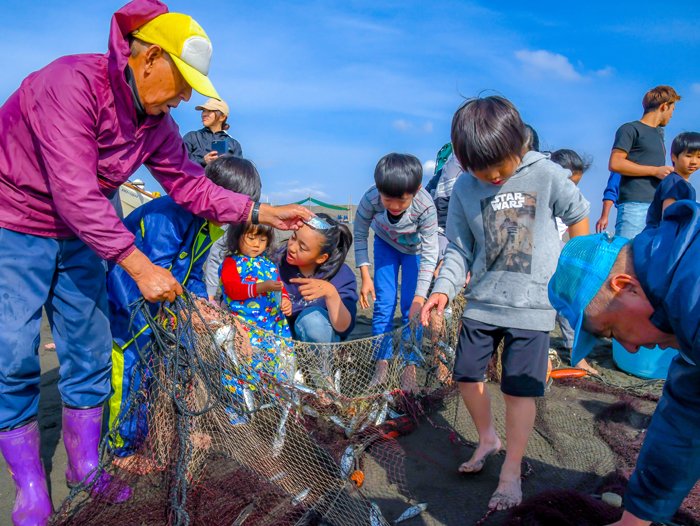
[612,190]
[195,283]
[164,233]
[235,148]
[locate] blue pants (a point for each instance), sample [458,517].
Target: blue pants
[669,464]
[387,262]
[314,325]
[631,219]
[68,279]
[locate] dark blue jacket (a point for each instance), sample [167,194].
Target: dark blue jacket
[171,238]
[198,144]
[666,262]
[612,190]
[344,281]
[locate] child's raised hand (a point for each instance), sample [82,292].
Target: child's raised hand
[313,289]
[286,307]
[263,287]
[438,300]
[366,291]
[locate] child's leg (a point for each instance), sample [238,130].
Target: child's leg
[477,343]
[524,360]
[386,277]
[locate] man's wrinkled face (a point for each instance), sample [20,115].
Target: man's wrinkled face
[627,321]
[159,83]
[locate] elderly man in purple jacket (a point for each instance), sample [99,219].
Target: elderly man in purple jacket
[69,136]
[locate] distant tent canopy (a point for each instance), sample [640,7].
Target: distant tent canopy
[321,203]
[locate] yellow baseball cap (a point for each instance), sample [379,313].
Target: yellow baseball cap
[187,44]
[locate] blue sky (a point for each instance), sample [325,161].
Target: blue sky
[319,91]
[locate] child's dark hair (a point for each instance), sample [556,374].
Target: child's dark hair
[686,142]
[337,240]
[572,161]
[236,174]
[486,132]
[398,174]
[236,232]
[532,141]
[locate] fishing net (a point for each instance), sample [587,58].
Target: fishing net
[246,428]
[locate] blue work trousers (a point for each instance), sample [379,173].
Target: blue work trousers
[387,262]
[669,464]
[68,279]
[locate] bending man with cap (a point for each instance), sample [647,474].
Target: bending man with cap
[70,136]
[645,293]
[199,143]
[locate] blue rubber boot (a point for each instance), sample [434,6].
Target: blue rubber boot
[20,447]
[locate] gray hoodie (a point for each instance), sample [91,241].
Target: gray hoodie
[507,237]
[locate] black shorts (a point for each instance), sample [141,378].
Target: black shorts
[524,359]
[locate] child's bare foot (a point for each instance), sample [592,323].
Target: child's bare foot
[485,450]
[583,364]
[507,495]
[408,380]
[381,370]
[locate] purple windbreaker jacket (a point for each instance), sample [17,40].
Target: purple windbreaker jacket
[69,136]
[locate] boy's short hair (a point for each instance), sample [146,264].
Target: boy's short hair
[654,98]
[235,174]
[686,142]
[398,174]
[570,160]
[486,132]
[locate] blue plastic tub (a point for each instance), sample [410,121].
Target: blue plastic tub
[647,363]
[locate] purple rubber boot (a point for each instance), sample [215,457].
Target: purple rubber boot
[20,447]
[81,436]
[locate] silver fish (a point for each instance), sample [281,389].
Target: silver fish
[336,380]
[444,360]
[317,223]
[277,477]
[301,497]
[418,353]
[412,512]
[308,410]
[352,426]
[337,421]
[382,414]
[347,461]
[371,418]
[299,377]
[231,353]
[305,390]
[388,397]
[249,398]
[449,351]
[278,443]
[393,414]
[447,314]
[244,514]
[375,515]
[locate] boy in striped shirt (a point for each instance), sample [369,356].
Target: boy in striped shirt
[403,217]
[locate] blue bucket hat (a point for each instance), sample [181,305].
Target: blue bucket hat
[584,265]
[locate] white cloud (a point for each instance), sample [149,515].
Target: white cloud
[605,72]
[428,127]
[289,183]
[547,63]
[403,125]
[297,194]
[429,168]
[695,87]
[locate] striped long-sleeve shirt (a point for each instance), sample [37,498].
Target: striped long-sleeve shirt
[414,233]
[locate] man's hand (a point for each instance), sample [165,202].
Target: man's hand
[313,289]
[211,156]
[602,224]
[438,300]
[155,283]
[286,307]
[287,217]
[418,302]
[271,285]
[662,171]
